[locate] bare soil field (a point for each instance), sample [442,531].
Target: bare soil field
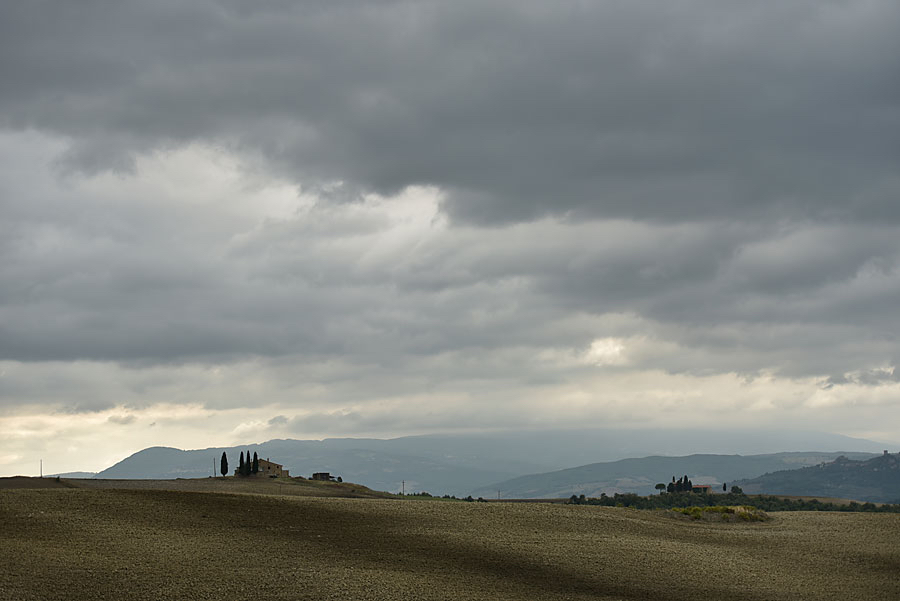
[165,544]
[267,486]
[28,482]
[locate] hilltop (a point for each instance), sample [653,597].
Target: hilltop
[876,480]
[295,487]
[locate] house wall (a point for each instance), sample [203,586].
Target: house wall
[269,468]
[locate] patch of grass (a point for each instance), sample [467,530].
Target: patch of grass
[724,513]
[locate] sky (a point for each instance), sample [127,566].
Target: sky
[225,222]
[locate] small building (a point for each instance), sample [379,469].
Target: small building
[323,476]
[267,468]
[702,488]
[270,468]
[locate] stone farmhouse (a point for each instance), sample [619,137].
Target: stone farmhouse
[268,468]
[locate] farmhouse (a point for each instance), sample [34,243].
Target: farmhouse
[701,488]
[270,468]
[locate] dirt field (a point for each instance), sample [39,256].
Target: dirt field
[267,486]
[163,544]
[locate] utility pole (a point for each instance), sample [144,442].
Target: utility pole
[214,467]
[403,489]
[498,494]
[42,468]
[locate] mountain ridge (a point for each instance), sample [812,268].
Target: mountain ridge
[874,480]
[640,475]
[460,464]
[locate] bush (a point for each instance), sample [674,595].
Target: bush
[744,513]
[690,499]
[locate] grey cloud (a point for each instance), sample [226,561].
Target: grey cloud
[870,377]
[122,420]
[713,181]
[278,420]
[118,281]
[516,109]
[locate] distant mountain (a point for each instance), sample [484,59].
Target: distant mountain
[876,480]
[457,464]
[640,476]
[376,469]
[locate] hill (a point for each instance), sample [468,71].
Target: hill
[457,464]
[639,476]
[73,475]
[374,468]
[876,480]
[292,487]
[166,545]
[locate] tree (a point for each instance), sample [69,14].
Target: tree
[724,487]
[736,490]
[660,487]
[224,465]
[241,466]
[255,463]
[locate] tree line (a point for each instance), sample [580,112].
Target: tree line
[245,468]
[735,497]
[683,484]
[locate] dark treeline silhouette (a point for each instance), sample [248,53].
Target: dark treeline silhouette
[247,466]
[735,497]
[682,485]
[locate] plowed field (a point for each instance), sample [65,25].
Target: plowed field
[158,544]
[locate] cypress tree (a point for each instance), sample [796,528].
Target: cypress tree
[224,465]
[241,466]
[255,463]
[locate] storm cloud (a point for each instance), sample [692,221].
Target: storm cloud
[413,216]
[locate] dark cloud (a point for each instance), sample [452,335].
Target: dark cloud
[278,420]
[122,420]
[423,202]
[870,377]
[516,109]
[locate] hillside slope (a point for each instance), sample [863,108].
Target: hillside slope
[376,469]
[163,545]
[458,463]
[641,475]
[876,480]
